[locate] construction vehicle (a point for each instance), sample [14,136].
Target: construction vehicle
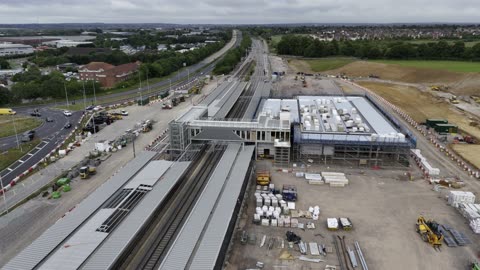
[263,178]
[454,100]
[429,232]
[476,99]
[87,171]
[174,101]
[166,106]
[147,126]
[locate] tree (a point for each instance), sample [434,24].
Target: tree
[5,96]
[4,64]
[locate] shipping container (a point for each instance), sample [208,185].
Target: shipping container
[446,128]
[433,122]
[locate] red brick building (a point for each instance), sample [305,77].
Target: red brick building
[108,75]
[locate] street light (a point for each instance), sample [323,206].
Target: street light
[84,97]
[16,134]
[66,95]
[170,80]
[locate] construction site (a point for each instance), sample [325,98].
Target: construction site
[277,171]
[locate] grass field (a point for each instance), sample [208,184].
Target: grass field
[13,154]
[22,123]
[421,105]
[455,66]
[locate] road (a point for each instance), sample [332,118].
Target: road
[51,135]
[182,77]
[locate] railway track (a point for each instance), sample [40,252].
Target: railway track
[148,251]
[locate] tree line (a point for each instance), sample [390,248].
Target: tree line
[233,57]
[301,45]
[31,85]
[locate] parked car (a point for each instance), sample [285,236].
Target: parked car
[67,125]
[48,119]
[98,108]
[36,113]
[124,113]
[28,135]
[89,108]
[67,113]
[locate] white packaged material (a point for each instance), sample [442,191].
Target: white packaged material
[314,249]
[279,197]
[274,223]
[291,205]
[299,174]
[265,222]
[294,223]
[313,176]
[267,202]
[456,197]
[332,223]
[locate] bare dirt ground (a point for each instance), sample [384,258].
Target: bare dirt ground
[383,210]
[278,64]
[460,83]
[422,105]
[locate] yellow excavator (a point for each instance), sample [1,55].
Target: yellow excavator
[429,232]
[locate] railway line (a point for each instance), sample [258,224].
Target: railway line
[149,250]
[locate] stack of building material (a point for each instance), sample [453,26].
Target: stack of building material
[314,249]
[455,197]
[332,224]
[314,179]
[335,179]
[423,163]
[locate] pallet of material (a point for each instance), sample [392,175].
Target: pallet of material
[316,182]
[455,197]
[324,174]
[332,224]
[333,184]
[314,249]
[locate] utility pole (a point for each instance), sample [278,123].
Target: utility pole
[84,97]
[16,134]
[4,196]
[140,88]
[66,95]
[94,95]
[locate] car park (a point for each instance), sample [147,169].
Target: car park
[67,113]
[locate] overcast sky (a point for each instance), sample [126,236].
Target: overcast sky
[239,11]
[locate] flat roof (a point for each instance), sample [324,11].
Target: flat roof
[40,249]
[273,107]
[183,246]
[116,243]
[213,237]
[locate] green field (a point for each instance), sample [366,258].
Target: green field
[22,123]
[454,66]
[323,64]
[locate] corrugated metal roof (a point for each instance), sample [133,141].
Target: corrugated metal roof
[78,247]
[110,250]
[227,103]
[215,93]
[31,256]
[194,113]
[212,239]
[150,174]
[373,117]
[181,250]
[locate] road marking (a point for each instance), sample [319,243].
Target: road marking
[45,141]
[30,154]
[39,148]
[21,161]
[9,169]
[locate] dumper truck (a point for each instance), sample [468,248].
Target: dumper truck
[87,171]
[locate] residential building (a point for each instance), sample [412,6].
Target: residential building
[107,75]
[7,49]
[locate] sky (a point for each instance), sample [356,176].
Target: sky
[239,11]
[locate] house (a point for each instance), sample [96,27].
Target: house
[108,75]
[162,47]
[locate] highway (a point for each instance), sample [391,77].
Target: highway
[51,134]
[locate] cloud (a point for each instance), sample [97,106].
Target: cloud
[238,11]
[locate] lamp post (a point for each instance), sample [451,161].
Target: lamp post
[66,94]
[16,134]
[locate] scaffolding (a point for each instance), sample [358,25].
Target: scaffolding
[358,153]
